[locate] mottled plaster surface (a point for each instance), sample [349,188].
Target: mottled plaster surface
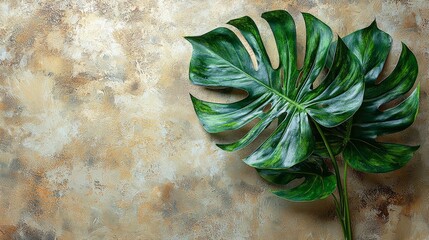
[98,138]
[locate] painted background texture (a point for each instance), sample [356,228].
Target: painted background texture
[99,140]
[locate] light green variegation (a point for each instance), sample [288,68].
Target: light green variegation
[219,59]
[371,46]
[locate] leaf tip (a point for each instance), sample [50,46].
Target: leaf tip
[251,163]
[266,14]
[190,39]
[272,15]
[236,21]
[417,90]
[374,23]
[306,14]
[279,193]
[192,96]
[224,147]
[404,46]
[275,192]
[195,103]
[339,39]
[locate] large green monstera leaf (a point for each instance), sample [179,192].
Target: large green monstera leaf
[371,46]
[219,59]
[318,182]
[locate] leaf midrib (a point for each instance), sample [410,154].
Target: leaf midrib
[259,82]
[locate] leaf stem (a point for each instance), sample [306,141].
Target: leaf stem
[346,204]
[334,162]
[342,207]
[338,211]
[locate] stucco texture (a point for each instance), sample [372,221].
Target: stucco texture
[99,139]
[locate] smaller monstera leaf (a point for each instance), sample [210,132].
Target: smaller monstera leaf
[318,182]
[371,46]
[219,59]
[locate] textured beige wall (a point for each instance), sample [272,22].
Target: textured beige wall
[98,138]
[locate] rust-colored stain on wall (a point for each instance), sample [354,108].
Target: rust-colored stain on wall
[98,138]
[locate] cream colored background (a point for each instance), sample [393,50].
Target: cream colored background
[98,138]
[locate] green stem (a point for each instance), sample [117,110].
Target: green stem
[346,204]
[343,208]
[338,211]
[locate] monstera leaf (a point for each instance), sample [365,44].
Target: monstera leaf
[219,59]
[318,182]
[371,46]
